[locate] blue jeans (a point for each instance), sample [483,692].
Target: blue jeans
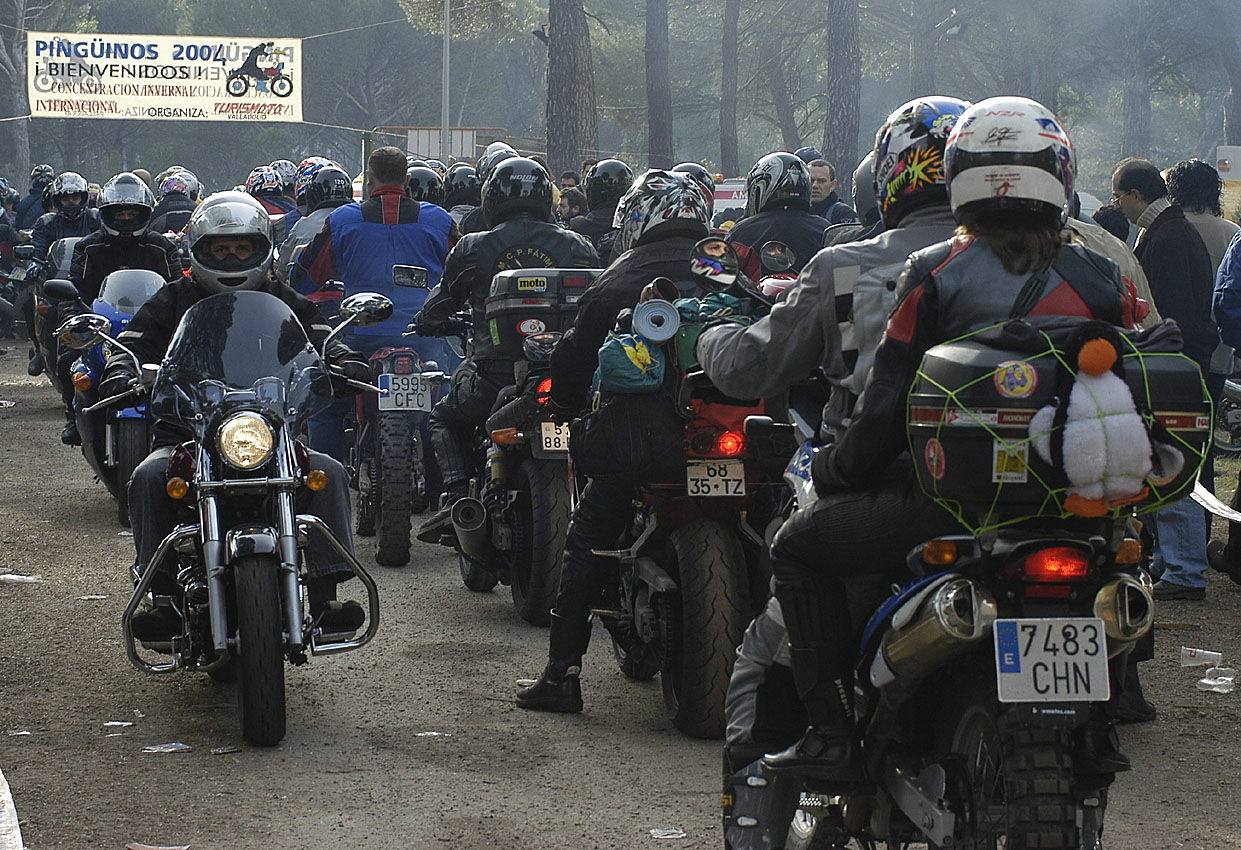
[1180,543]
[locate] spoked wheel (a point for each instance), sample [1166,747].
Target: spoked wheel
[1227,433]
[366,499]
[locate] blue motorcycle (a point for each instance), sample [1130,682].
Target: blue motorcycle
[114,439]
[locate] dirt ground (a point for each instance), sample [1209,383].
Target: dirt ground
[413,742]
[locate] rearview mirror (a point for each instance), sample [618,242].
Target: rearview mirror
[83,331]
[57,289]
[414,277]
[716,261]
[23,252]
[776,257]
[366,308]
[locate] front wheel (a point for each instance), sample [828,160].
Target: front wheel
[281,86]
[237,86]
[260,651]
[703,625]
[540,525]
[132,447]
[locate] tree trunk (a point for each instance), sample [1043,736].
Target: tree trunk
[13,80]
[922,39]
[1232,104]
[730,158]
[843,90]
[571,128]
[777,83]
[1135,136]
[658,87]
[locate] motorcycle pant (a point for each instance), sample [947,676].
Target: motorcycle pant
[462,411]
[600,518]
[761,709]
[153,515]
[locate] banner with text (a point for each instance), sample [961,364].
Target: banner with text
[164,77]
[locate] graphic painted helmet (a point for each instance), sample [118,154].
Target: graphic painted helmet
[287,172]
[437,166]
[660,202]
[221,221]
[328,183]
[306,171]
[177,183]
[263,180]
[462,186]
[909,156]
[606,183]
[702,177]
[70,195]
[125,205]
[424,185]
[1009,153]
[777,180]
[42,175]
[517,185]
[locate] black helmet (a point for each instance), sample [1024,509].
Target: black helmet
[68,185]
[777,180]
[47,198]
[329,183]
[42,175]
[702,177]
[495,154]
[11,196]
[125,204]
[517,185]
[462,186]
[424,185]
[606,182]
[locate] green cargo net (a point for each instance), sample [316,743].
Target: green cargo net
[994,517]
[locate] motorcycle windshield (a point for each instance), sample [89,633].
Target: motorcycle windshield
[127,290]
[60,257]
[239,349]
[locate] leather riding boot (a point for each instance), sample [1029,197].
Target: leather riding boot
[559,687]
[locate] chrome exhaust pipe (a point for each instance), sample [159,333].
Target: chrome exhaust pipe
[956,616]
[1127,608]
[469,518]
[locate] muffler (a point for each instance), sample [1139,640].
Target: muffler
[469,519]
[1127,609]
[957,615]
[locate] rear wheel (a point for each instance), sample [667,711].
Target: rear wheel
[703,625]
[540,524]
[396,433]
[132,447]
[260,651]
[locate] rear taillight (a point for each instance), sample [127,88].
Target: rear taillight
[543,391]
[1057,565]
[716,442]
[730,444]
[403,364]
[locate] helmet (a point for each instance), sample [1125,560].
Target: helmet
[125,205]
[68,185]
[808,154]
[865,203]
[327,183]
[496,153]
[517,185]
[777,180]
[11,196]
[233,216]
[437,166]
[702,177]
[412,161]
[909,156]
[424,185]
[606,182]
[1009,153]
[263,180]
[178,183]
[42,175]
[287,172]
[661,202]
[461,186]
[92,194]
[306,170]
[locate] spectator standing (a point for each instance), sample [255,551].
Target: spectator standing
[824,200]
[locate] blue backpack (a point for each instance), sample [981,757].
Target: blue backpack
[629,364]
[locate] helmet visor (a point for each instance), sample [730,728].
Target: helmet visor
[229,253]
[126,218]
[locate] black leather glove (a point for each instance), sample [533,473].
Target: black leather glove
[353,369]
[115,382]
[559,412]
[826,480]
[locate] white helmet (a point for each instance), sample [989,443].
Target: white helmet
[1009,153]
[230,215]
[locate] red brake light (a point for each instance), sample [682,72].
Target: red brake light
[1056,565]
[730,444]
[575,281]
[543,392]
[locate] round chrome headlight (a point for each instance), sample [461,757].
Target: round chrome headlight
[245,441]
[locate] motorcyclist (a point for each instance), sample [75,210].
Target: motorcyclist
[124,240]
[496,152]
[359,244]
[659,220]
[329,188]
[517,201]
[606,183]
[306,170]
[423,184]
[264,184]
[175,195]
[287,172]
[462,192]
[31,206]
[778,209]
[828,559]
[230,250]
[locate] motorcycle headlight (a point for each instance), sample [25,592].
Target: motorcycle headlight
[245,441]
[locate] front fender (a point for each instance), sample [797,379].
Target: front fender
[247,540]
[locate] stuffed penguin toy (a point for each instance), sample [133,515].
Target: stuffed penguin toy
[1107,452]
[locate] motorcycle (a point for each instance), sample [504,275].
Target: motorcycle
[241,375]
[56,267]
[114,440]
[1227,434]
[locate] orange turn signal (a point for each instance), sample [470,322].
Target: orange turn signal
[316,480]
[176,488]
[1130,551]
[81,381]
[505,437]
[939,553]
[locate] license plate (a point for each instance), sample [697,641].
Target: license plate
[404,392]
[1060,659]
[715,478]
[553,437]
